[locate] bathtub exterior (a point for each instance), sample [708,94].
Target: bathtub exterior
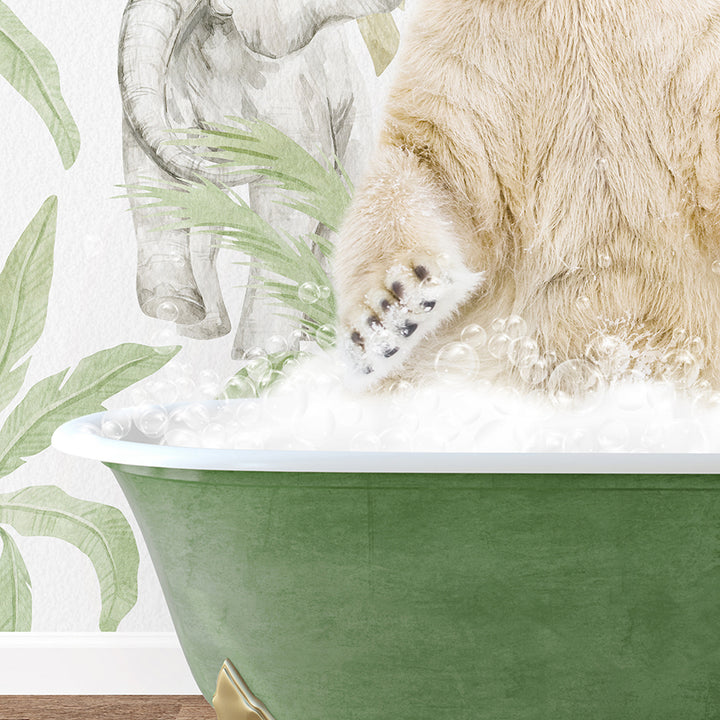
[418,597]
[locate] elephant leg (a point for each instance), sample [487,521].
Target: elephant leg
[259,319]
[216,323]
[166,286]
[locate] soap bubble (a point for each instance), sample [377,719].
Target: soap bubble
[523,351]
[716,267]
[632,394]
[239,386]
[276,344]
[116,425]
[553,441]
[575,385]
[498,325]
[499,346]
[214,435]
[254,352]
[325,336]
[185,388]
[259,370]
[610,354]
[685,435]
[398,439]
[324,292]
[515,327]
[580,440]
[534,371]
[365,441]
[583,303]
[474,335]
[162,392]
[152,421]
[613,436]
[194,416]
[175,370]
[662,395]
[604,260]
[653,438]
[167,311]
[140,395]
[208,377]
[296,338]
[681,368]
[164,341]
[178,437]
[457,362]
[309,293]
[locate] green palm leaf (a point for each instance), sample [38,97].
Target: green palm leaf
[201,205]
[28,66]
[63,396]
[99,531]
[15,593]
[318,190]
[24,290]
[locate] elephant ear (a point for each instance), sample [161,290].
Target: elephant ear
[382,38]
[29,67]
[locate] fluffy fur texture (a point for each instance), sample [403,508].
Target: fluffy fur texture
[556,159]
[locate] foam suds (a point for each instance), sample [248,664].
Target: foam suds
[312,409]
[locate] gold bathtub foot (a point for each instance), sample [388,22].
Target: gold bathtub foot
[233,699]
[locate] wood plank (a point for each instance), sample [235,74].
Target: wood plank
[99,707]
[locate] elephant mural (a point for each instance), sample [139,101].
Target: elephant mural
[186,63]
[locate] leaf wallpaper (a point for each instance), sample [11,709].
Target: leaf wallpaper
[99,234]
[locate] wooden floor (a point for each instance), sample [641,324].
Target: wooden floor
[100,707]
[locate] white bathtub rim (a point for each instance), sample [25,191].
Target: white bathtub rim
[71,439]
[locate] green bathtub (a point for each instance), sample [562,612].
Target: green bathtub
[352,586]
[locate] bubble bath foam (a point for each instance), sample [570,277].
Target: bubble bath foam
[424,585]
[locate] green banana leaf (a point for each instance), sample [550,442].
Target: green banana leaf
[60,397]
[30,68]
[11,382]
[24,290]
[15,593]
[382,38]
[99,531]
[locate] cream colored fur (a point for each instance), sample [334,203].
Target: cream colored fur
[533,153]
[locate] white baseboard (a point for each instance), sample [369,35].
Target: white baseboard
[93,664]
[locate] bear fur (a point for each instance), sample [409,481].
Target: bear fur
[553,159]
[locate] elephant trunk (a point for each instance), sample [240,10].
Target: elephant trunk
[149,33]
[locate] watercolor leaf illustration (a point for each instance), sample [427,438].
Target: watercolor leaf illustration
[99,531]
[65,395]
[202,205]
[320,191]
[30,68]
[24,287]
[382,38]
[16,603]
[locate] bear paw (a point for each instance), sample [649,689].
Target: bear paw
[411,301]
